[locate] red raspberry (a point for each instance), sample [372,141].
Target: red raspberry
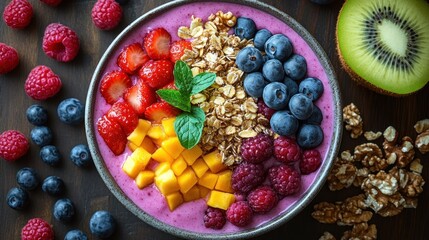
[264,109]
[257,149]
[9,58]
[60,42]
[42,83]
[214,218]
[37,229]
[247,176]
[18,14]
[286,149]
[13,145]
[239,213]
[53,3]
[284,179]
[310,161]
[106,14]
[262,199]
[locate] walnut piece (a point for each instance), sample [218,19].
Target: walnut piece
[353,120]
[327,236]
[371,136]
[422,125]
[352,211]
[422,142]
[361,231]
[371,156]
[402,153]
[342,175]
[416,166]
[325,212]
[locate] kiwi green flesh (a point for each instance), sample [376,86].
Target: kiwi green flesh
[385,43]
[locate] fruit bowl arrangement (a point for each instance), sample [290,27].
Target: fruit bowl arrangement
[214,119]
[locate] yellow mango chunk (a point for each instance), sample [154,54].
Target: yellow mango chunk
[220,200]
[142,155]
[156,132]
[203,191]
[168,126]
[224,181]
[208,180]
[179,165]
[148,145]
[139,132]
[187,180]
[190,155]
[174,200]
[200,167]
[160,155]
[214,161]
[132,166]
[192,194]
[162,167]
[144,178]
[167,183]
[132,146]
[172,146]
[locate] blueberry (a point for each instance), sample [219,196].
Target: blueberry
[322,2]
[261,37]
[17,198]
[80,155]
[295,67]
[50,155]
[245,28]
[63,210]
[70,111]
[249,59]
[279,47]
[284,123]
[312,87]
[254,84]
[53,185]
[273,70]
[316,116]
[41,135]
[309,136]
[291,85]
[276,96]
[37,115]
[75,234]
[102,224]
[27,178]
[300,106]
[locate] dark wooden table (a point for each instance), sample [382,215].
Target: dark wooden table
[85,187]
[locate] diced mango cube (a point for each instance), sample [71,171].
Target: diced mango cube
[160,155]
[148,145]
[224,181]
[144,178]
[203,191]
[167,183]
[187,180]
[174,200]
[172,146]
[208,180]
[132,166]
[132,146]
[190,155]
[179,165]
[168,125]
[142,155]
[192,194]
[222,200]
[139,132]
[214,161]
[156,132]
[162,167]
[200,167]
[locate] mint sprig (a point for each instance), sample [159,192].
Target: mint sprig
[190,123]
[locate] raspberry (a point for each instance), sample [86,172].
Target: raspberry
[286,150]
[37,229]
[106,14]
[264,109]
[247,176]
[9,58]
[284,179]
[60,42]
[239,213]
[310,161]
[214,218]
[53,3]
[262,199]
[13,145]
[257,149]
[18,14]
[42,83]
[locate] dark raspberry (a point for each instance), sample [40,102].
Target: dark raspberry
[106,14]
[52,3]
[262,199]
[284,179]
[9,58]
[264,109]
[286,150]
[257,149]
[13,145]
[214,218]
[42,83]
[239,213]
[310,161]
[18,14]
[60,42]
[37,229]
[247,176]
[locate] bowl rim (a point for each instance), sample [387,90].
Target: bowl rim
[296,207]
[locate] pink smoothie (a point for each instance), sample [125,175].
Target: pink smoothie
[189,216]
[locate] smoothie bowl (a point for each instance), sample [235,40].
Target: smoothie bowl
[196,129]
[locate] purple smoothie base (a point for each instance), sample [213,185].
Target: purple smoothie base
[188,216]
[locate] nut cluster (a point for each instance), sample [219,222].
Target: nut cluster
[353,120]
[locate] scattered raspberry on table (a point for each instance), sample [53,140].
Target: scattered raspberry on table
[60,42]
[9,58]
[37,229]
[18,14]
[106,14]
[13,145]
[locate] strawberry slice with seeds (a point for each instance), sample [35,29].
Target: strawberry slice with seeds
[157,73]
[112,134]
[177,49]
[124,114]
[132,58]
[160,110]
[139,97]
[157,43]
[113,85]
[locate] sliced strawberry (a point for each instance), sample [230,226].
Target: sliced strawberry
[170,86]
[112,134]
[157,73]
[140,96]
[160,110]
[177,49]
[132,58]
[157,43]
[113,85]
[124,114]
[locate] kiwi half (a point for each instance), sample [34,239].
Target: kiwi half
[384,44]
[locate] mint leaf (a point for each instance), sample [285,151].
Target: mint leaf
[176,98]
[202,81]
[189,127]
[182,77]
